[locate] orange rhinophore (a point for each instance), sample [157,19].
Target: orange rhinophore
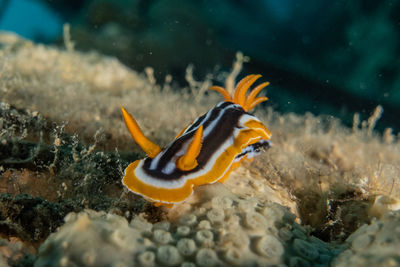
[205,152]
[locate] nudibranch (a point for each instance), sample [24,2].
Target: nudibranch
[204,152]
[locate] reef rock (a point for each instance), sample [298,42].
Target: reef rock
[214,228]
[376,244]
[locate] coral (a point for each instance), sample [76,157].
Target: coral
[91,238]
[376,244]
[242,232]
[63,145]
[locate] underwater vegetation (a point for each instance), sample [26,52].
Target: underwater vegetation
[323,193]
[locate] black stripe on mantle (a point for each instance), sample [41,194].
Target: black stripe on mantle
[218,135]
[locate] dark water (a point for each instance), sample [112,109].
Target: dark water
[325,57]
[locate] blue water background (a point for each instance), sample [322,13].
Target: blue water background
[32,20]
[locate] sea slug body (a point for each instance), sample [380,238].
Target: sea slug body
[204,152]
